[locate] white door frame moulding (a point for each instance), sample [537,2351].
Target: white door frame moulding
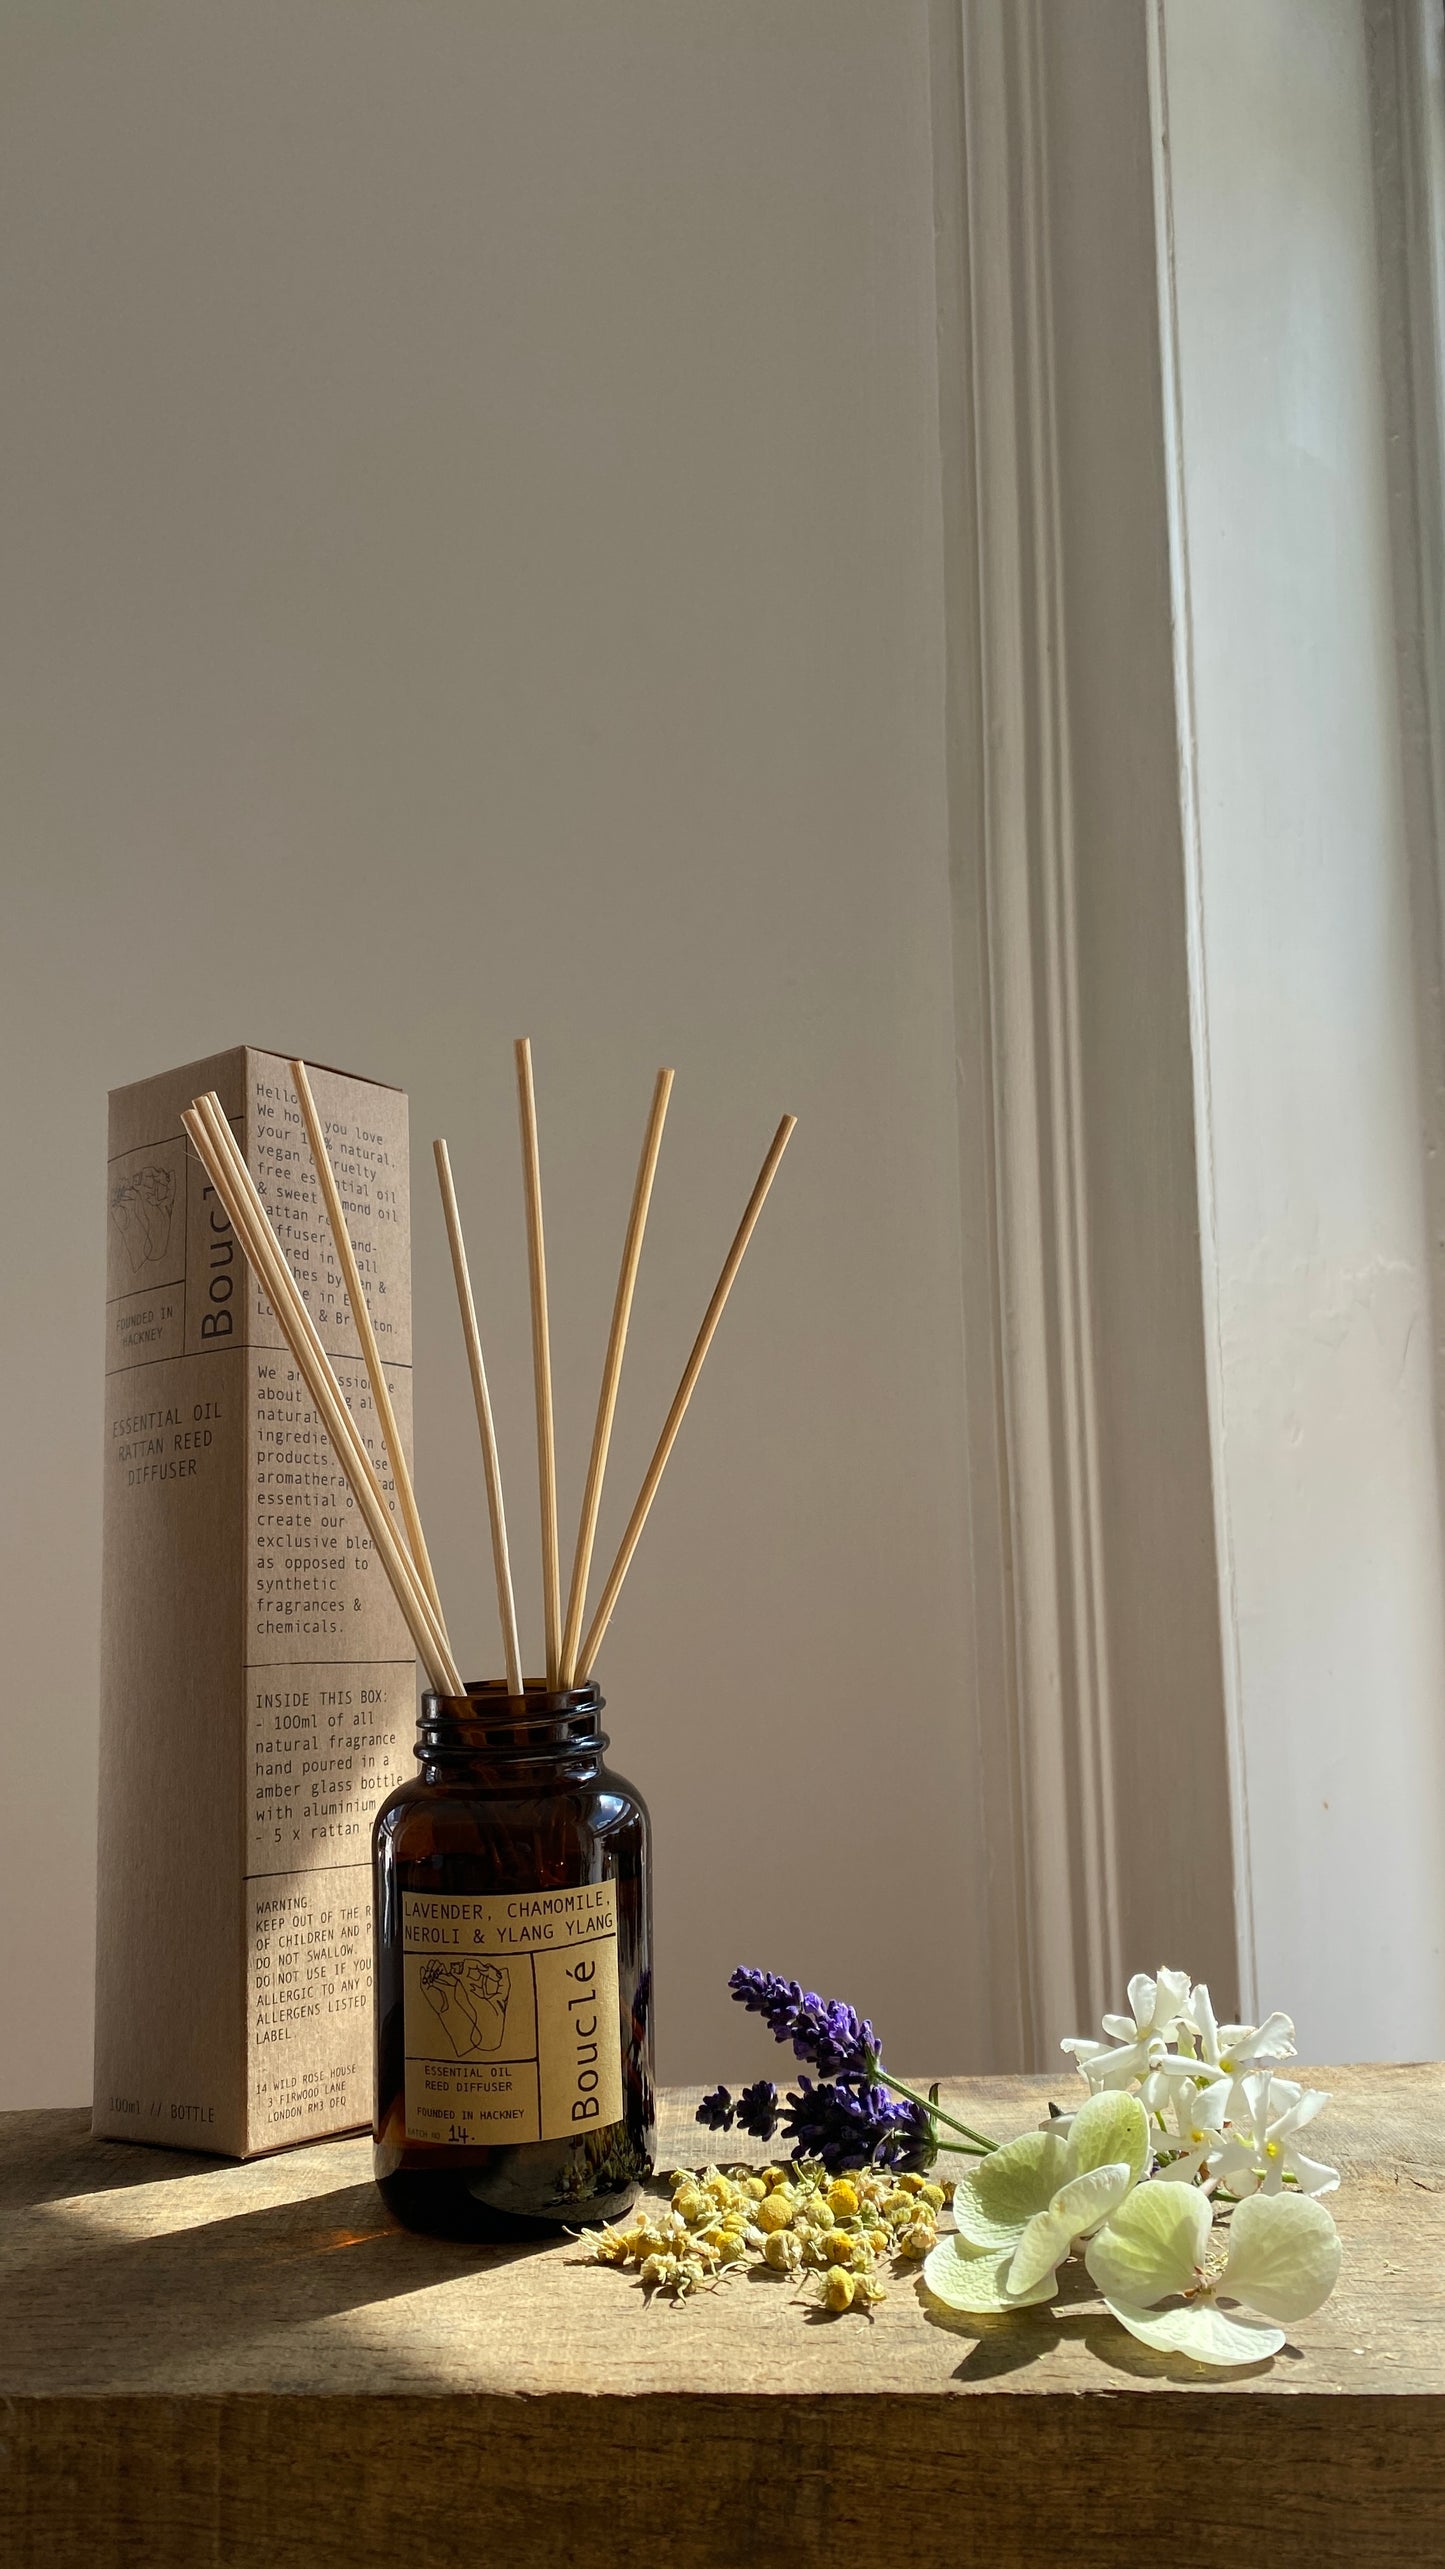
[1406,42]
[1095,1596]
[1182,644]
[1044,1745]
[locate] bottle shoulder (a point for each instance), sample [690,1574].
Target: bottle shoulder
[602,1806]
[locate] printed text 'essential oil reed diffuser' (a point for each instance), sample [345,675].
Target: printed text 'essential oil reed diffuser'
[513,1873]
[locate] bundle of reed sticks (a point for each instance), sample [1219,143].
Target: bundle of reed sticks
[392,1520]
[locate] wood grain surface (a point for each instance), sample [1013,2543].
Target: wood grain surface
[205,2363]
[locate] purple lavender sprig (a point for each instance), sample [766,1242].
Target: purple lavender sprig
[850,2124]
[847,2123]
[827,2033]
[755,2111]
[859,2115]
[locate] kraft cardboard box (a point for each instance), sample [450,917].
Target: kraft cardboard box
[258,1686]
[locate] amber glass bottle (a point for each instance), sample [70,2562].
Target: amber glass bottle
[513,1972]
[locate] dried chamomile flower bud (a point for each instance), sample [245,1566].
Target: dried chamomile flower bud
[659,2269]
[842,2199]
[838,2248]
[756,2187]
[876,2240]
[932,2194]
[911,2184]
[783,2252]
[609,2247]
[773,2175]
[732,2247]
[838,2289]
[689,2199]
[866,2289]
[775,2213]
[917,2240]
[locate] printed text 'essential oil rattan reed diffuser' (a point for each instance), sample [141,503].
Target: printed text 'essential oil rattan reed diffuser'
[513,1874]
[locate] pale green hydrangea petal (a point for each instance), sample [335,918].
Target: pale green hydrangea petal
[1108,2129]
[1284,2255]
[976,2283]
[1077,2208]
[1200,2329]
[1152,2245]
[997,2200]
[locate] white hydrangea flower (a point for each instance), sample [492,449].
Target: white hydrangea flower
[1283,2260]
[1261,2141]
[1138,2042]
[1025,2207]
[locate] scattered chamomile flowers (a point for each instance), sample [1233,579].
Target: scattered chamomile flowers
[835,2236]
[1186,2120]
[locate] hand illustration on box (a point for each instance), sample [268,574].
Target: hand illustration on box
[471,2000]
[140,1210]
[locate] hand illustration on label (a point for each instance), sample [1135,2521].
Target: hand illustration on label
[471,2000]
[140,1210]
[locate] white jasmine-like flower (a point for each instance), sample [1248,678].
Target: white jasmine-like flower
[1261,2141]
[1056,2121]
[1138,2042]
[1283,2260]
[1187,2147]
[1209,2051]
[1024,2208]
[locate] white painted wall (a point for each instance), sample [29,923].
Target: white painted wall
[1312,1130]
[472,551]
[474,546]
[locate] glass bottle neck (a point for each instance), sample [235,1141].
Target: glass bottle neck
[510,1742]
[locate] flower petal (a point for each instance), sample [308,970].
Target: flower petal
[1142,1994]
[1200,2329]
[998,2198]
[1171,2000]
[1312,2175]
[1294,2106]
[1108,2129]
[1153,2244]
[1203,2020]
[977,2283]
[1078,2207]
[1284,2255]
[1271,2041]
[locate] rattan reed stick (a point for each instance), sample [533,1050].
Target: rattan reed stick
[215,1143]
[360,1312]
[541,1365]
[244,1204]
[501,1558]
[684,1393]
[612,1375]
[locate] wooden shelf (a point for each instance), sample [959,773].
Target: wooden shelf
[249,2367]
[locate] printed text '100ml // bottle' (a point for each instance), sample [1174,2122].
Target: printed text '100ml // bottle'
[513,1971]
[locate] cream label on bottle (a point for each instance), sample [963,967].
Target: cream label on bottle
[511,2015]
